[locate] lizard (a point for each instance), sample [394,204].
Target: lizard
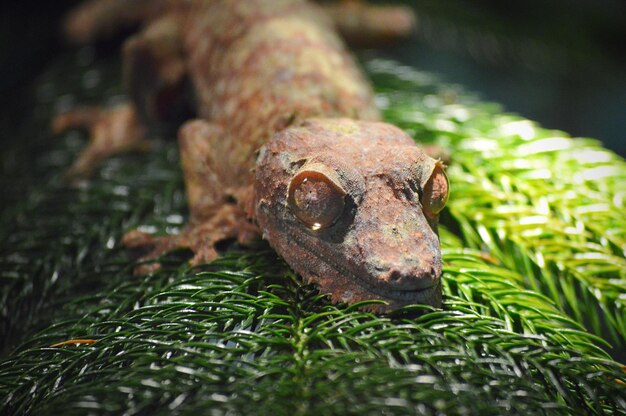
[286,142]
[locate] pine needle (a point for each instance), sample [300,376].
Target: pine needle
[244,335]
[545,205]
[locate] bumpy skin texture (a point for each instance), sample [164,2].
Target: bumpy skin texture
[383,245]
[272,77]
[259,66]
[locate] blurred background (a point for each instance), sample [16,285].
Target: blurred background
[562,63]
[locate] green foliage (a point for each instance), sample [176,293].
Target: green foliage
[548,206]
[244,335]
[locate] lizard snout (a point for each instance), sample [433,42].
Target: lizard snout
[400,250]
[409,279]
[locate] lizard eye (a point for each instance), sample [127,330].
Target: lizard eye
[316,200]
[435,193]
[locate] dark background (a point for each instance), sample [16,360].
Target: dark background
[562,63]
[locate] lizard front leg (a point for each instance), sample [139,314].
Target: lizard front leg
[200,237]
[217,213]
[156,80]
[112,131]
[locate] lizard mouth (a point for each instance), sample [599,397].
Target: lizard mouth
[351,283]
[410,296]
[405,296]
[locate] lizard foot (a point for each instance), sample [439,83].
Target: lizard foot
[201,237]
[112,131]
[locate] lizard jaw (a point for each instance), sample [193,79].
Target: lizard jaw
[343,289]
[346,284]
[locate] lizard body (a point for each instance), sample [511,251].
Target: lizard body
[349,202]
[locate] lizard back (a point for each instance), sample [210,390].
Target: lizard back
[259,66]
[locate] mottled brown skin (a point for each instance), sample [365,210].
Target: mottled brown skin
[384,245]
[271,77]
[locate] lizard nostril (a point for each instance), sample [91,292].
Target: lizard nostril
[395,276]
[409,280]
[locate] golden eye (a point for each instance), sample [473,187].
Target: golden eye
[435,194]
[316,200]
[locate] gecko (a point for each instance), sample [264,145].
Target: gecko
[284,142]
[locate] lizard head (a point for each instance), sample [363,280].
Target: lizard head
[353,206]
